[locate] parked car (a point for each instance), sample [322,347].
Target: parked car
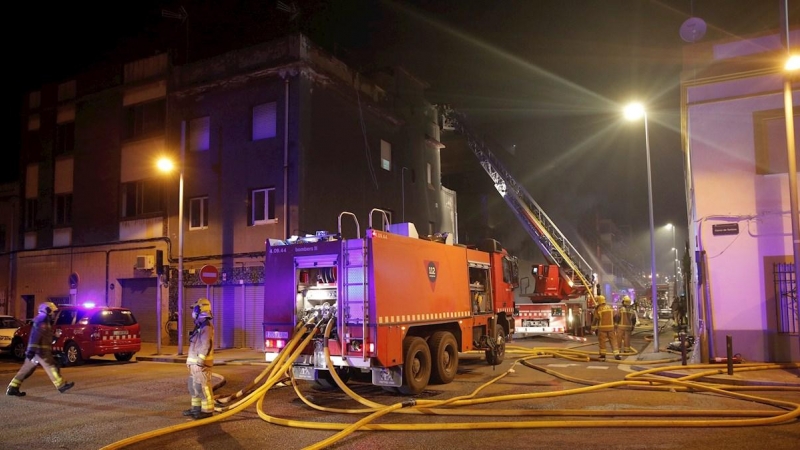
[8,325]
[84,331]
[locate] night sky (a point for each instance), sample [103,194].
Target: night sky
[546,76]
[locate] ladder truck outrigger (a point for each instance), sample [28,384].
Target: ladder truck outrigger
[391,303]
[563,289]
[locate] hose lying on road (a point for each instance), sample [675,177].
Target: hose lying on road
[465,405]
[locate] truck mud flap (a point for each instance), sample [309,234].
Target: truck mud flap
[387,376]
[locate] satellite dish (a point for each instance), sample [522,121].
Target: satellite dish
[693,29]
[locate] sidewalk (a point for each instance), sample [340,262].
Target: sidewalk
[222,356]
[666,335]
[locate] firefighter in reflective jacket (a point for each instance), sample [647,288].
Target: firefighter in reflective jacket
[624,321]
[40,353]
[603,325]
[200,361]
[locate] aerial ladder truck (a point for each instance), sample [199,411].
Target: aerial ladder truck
[565,277]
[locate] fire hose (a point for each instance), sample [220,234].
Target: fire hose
[460,406]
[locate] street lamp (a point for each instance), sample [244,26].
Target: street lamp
[165,164]
[675,262]
[792,67]
[634,111]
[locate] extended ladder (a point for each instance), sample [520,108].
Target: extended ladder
[553,244]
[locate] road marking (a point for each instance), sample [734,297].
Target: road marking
[561,365]
[597,367]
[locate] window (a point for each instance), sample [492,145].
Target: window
[429,174]
[63,209]
[198,213]
[786,297]
[386,155]
[141,197]
[770,141]
[199,134]
[65,138]
[262,206]
[264,121]
[145,119]
[31,210]
[111,318]
[66,317]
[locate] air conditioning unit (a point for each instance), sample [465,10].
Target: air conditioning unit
[145,262]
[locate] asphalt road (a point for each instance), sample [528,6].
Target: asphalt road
[113,401]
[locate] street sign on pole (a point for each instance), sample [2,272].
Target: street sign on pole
[209,274]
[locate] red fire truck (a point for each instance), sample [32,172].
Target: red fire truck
[403,307]
[551,309]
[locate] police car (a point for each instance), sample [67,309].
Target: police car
[83,331]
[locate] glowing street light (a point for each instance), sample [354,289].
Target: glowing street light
[635,111]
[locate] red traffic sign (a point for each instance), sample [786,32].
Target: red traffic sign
[209,274]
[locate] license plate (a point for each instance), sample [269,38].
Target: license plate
[121,333]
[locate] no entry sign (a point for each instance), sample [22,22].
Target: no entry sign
[209,274]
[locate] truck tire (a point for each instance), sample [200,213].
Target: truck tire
[444,351]
[496,357]
[416,366]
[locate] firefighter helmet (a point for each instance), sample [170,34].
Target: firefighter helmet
[47,308]
[601,300]
[626,300]
[201,309]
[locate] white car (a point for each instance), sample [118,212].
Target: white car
[8,325]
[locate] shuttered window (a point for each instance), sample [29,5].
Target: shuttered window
[264,121]
[199,134]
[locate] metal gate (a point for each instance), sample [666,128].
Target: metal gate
[238,313]
[786,296]
[139,295]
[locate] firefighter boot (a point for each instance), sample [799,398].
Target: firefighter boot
[202,415]
[66,387]
[191,411]
[14,390]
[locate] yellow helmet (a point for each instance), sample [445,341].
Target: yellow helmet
[601,300]
[47,308]
[201,309]
[626,300]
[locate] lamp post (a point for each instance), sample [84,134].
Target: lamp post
[792,67]
[634,111]
[675,262]
[166,165]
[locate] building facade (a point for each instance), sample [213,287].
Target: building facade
[735,141]
[272,141]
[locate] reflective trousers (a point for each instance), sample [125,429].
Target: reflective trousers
[200,387]
[30,365]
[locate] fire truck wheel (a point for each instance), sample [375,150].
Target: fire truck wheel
[495,357]
[444,352]
[416,366]
[126,356]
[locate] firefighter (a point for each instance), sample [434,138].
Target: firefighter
[603,325]
[40,353]
[624,321]
[200,361]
